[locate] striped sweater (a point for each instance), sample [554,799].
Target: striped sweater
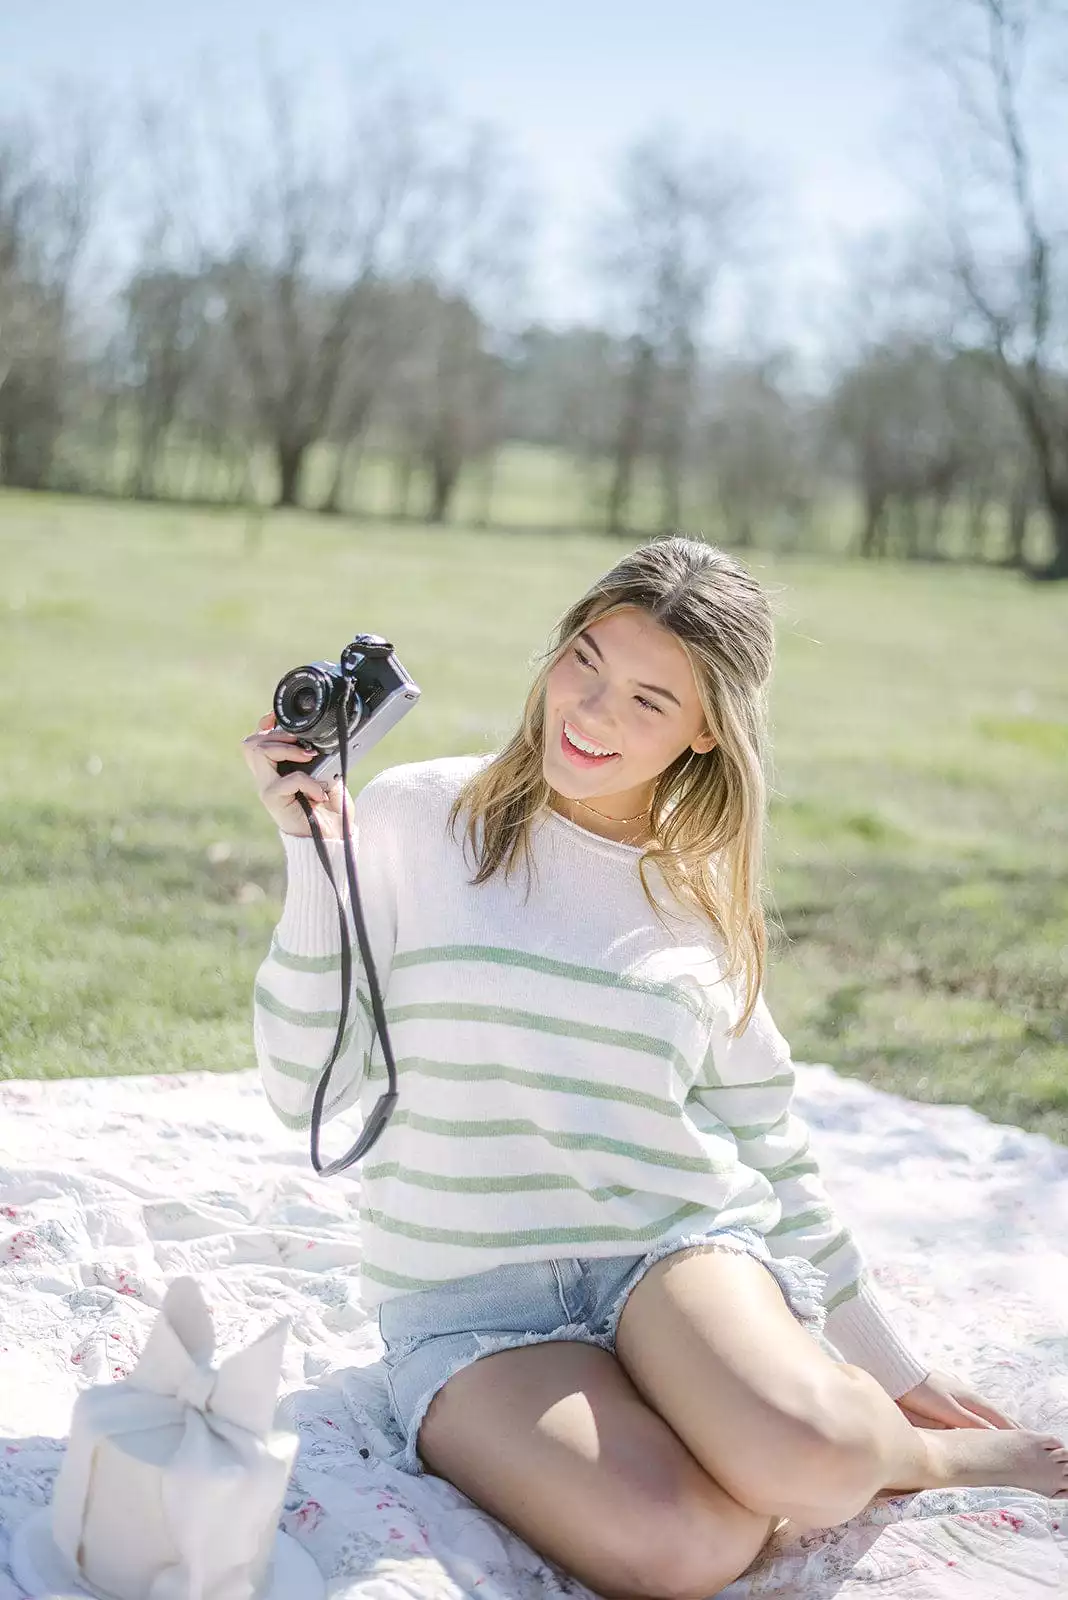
[566,1083]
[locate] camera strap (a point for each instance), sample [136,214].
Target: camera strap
[383,1107]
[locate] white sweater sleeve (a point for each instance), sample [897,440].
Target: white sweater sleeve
[297,995]
[748,1085]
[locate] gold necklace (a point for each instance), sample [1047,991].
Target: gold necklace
[605,815]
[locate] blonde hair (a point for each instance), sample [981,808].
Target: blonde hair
[708,809]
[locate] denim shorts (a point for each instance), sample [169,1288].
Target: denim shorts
[431,1333]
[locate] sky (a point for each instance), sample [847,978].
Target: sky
[810,88]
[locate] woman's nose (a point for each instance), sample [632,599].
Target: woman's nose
[595,708]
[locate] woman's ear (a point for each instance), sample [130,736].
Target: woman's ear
[703,743]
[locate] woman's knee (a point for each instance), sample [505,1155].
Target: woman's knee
[689,1551]
[826,1464]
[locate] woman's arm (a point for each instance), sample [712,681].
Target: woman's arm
[747,1085]
[297,992]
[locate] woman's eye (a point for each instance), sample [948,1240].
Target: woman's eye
[648,704]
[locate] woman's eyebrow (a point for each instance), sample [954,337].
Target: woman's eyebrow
[592,642]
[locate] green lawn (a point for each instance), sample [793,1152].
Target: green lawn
[919,827]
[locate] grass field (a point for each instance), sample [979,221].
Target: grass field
[918,847]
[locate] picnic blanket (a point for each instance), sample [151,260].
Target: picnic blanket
[110,1187]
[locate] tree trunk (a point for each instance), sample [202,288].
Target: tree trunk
[488,483]
[874,510]
[671,486]
[404,467]
[349,450]
[1058,519]
[1019,516]
[444,476]
[977,525]
[673,452]
[910,522]
[935,524]
[331,506]
[290,457]
[631,435]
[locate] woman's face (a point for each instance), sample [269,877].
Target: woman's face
[625,685]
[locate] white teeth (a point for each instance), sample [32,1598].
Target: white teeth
[585,745]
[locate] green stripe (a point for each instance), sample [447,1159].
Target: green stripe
[792,1169]
[850,1292]
[302,1120]
[783,1080]
[306,1019]
[840,1239]
[500,955]
[750,1130]
[559,1083]
[456,1011]
[756,1130]
[502,1185]
[295,963]
[794,1166]
[294,1069]
[400,1280]
[540,1022]
[562,1141]
[306,1074]
[802,1220]
[525,1236]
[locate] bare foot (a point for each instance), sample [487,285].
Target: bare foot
[972,1457]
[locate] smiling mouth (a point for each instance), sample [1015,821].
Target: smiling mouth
[583,757]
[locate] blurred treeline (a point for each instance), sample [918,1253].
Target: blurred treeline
[202,305]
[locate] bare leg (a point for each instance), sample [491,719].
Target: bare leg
[908,1459]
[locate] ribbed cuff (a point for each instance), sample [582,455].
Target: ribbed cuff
[864,1335]
[308,925]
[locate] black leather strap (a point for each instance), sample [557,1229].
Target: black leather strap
[383,1107]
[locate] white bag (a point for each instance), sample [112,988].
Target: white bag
[174,1478]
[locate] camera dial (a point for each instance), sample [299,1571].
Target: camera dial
[365,646]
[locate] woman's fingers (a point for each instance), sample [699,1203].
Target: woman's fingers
[264,750]
[271,736]
[277,751]
[293,783]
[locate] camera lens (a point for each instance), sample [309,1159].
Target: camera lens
[301,699]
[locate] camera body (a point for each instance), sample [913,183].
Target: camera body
[370,685]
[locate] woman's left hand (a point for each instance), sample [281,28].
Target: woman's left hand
[942,1401]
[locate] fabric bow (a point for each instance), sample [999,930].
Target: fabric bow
[210,1433]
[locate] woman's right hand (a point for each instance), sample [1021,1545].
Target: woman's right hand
[264,749]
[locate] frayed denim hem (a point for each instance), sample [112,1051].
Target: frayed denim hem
[803,1285]
[490,1344]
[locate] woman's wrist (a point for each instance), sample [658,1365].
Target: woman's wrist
[308,925]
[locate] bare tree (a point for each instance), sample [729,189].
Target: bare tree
[679,219]
[1005,258]
[312,237]
[757,448]
[890,411]
[49,187]
[449,402]
[163,301]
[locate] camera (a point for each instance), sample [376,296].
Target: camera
[369,686]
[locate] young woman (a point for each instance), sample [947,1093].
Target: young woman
[619,1310]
